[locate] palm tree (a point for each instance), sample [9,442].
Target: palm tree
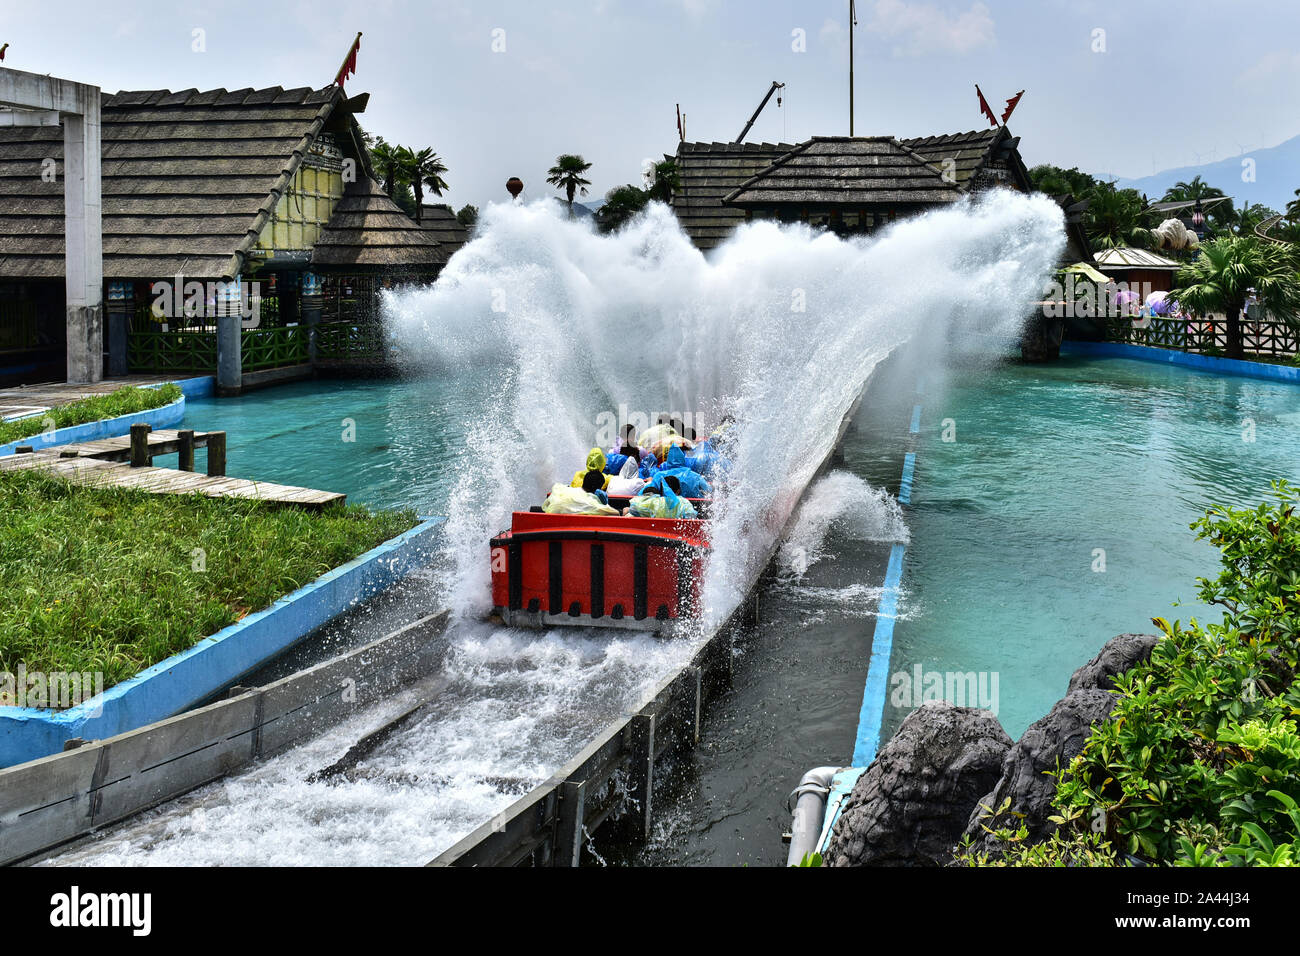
[1293,208]
[663,181]
[622,203]
[567,173]
[1199,190]
[385,157]
[1223,275]
[421,169]
[1114,218]
[1244,220]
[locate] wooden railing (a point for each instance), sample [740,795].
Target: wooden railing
[1204,335]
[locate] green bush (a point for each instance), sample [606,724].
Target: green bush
[1200,765]
[123,401]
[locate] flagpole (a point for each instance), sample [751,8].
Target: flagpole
[338,77]
[852,20]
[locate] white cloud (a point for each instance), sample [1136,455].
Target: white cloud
[1268,69]
[921,28]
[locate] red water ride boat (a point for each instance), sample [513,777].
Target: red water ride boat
[599,571]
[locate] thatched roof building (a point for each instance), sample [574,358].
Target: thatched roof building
[368,232]
[443,225]
[846,184]
[708,171]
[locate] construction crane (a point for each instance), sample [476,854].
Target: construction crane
[775,86]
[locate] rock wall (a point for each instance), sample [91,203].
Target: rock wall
[932,782]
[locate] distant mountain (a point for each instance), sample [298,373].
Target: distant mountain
[1277,176]
[579,210]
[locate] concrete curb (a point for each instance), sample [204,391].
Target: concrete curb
[1193,360]
[194,675]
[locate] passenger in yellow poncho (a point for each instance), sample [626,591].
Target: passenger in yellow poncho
[595,462]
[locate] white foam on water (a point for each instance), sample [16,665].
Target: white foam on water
[553,325]
[842,502]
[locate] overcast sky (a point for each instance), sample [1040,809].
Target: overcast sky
[1163,84]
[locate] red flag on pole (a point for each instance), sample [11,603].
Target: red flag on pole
[984,107]
[349,66]
[1011,105]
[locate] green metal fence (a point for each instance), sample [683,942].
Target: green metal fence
[362,343]
[273,347]
[179,350]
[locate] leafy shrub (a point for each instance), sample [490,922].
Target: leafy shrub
[1200,763]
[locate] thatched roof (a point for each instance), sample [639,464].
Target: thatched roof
[444,226]
[189,180]
[868,171]
[369,232]
[708,171]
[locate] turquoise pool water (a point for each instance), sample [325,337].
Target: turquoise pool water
[1053,470]
[383,443]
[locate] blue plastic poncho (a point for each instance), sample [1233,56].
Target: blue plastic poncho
[692,484]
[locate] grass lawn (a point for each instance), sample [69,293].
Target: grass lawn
[124,401]
[116,580]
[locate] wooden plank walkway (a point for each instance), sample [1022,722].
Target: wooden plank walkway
[101,473]
[127,462]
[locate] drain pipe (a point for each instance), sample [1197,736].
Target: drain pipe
[809,810]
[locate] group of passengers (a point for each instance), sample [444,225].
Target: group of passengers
[658,471]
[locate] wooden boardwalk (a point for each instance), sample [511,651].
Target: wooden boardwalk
[108,462]
[21,400]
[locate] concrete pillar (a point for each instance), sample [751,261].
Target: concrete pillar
[82,229]
[121,306]
[312,302]
[230,342]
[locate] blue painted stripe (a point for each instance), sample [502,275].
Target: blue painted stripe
[882,648]
[1193,360]
[916,419]
[905,488]
[191,676]
[164,417]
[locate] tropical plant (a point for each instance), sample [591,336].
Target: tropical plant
[419,170]
[1293,208]
[1056,181]
[1227,271]
[1114,218]
[567,174]
[1218,215]
[467,215]
[386,159]
[1243,221]
[622,203]
[662,181]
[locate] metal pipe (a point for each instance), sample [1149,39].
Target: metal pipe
[809,809]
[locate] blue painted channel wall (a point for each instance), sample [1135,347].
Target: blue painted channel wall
[185,679]
[164,417]
[1204,363]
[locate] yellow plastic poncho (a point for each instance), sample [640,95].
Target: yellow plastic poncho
[595,462]
[567,500]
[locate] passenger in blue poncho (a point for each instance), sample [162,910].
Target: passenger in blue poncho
[693,485]
[663,503]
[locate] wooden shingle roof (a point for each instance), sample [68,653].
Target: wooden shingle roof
[189,180]
[959,153]
[708,171]
[443,225]
[369,232]
[858,171]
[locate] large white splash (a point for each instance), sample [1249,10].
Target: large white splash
[781,326]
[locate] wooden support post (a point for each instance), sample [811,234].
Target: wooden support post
[140,456]
[568,825]
[186,452]
[641,785]
[216,454]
